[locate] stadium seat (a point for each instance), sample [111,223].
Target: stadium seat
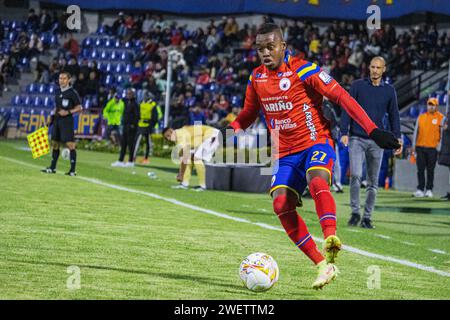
[53,40]
[47,102]
[422,109]
[87,42]
[42,88]
[119,79]
[104,55]
[120,67]
[31,88]
[101,29]
[114,55]
[109,43]
[86,103]
[124,56]
[37,102]
[94,54]
[413,112]
[98,42]
[17,101]
[117,43]
[27,101]
[109,80]
[128,68]
[51,88]
[109,67]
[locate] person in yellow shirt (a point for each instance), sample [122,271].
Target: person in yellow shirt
[149,117]
[196,144]
[427,136]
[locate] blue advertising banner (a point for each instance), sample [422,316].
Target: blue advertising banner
[331,9]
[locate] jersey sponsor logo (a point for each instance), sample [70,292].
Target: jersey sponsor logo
[278,106]
[282,124]
[284,74]
[261,76]
[309,122]
[325,77]
[434,121]
[65,103]
[285,84]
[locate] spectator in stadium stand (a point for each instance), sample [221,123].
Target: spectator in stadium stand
[112,113]
[377,99]
[5,71]
[45,21]
[2,30]
[35,46]
[32,22]
[92,84]
[427,136]
[72,67]
[197,115]
[130,121]
[72,46]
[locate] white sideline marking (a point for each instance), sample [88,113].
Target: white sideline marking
[381,236]
[437,251]
[408,243]
[262,225]
[353,230]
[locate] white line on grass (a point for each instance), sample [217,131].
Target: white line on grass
[381,236]
[437,251]
[262,225]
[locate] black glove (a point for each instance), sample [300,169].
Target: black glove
[223,131]
[384,139]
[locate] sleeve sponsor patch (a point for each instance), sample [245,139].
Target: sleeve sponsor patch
[325,77]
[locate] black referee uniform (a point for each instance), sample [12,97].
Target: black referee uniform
[63,126]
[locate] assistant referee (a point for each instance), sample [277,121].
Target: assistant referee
[67,103]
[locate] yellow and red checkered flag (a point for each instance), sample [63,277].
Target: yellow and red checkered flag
[38,142]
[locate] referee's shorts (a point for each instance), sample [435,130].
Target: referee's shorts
[63,129]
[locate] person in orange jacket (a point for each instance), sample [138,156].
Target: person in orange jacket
[427,136]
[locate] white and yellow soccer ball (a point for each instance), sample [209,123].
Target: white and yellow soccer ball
[65,153]
[259,271]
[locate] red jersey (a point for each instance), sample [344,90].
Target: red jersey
[291,98]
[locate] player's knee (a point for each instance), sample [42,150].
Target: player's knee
[282,204]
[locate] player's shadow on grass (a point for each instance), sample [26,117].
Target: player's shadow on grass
[173,276]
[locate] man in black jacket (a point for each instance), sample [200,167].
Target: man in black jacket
[130,121]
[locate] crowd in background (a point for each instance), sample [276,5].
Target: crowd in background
[27,42]
[214,63]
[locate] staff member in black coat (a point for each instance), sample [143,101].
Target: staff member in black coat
[67,103]
[130,121]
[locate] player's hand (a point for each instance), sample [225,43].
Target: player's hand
[399,150]
[385,139]
[63,113]
[344,140]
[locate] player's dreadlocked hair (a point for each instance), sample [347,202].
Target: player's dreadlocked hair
[268,27]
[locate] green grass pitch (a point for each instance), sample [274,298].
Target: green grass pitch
[130,245]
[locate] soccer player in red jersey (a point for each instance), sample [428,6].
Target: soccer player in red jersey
[290,92]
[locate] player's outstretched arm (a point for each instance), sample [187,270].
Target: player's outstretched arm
[328,87]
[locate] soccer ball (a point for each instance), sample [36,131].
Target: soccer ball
[259,271]
[65,153]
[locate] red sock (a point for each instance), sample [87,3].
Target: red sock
[296,228]
[325,205]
